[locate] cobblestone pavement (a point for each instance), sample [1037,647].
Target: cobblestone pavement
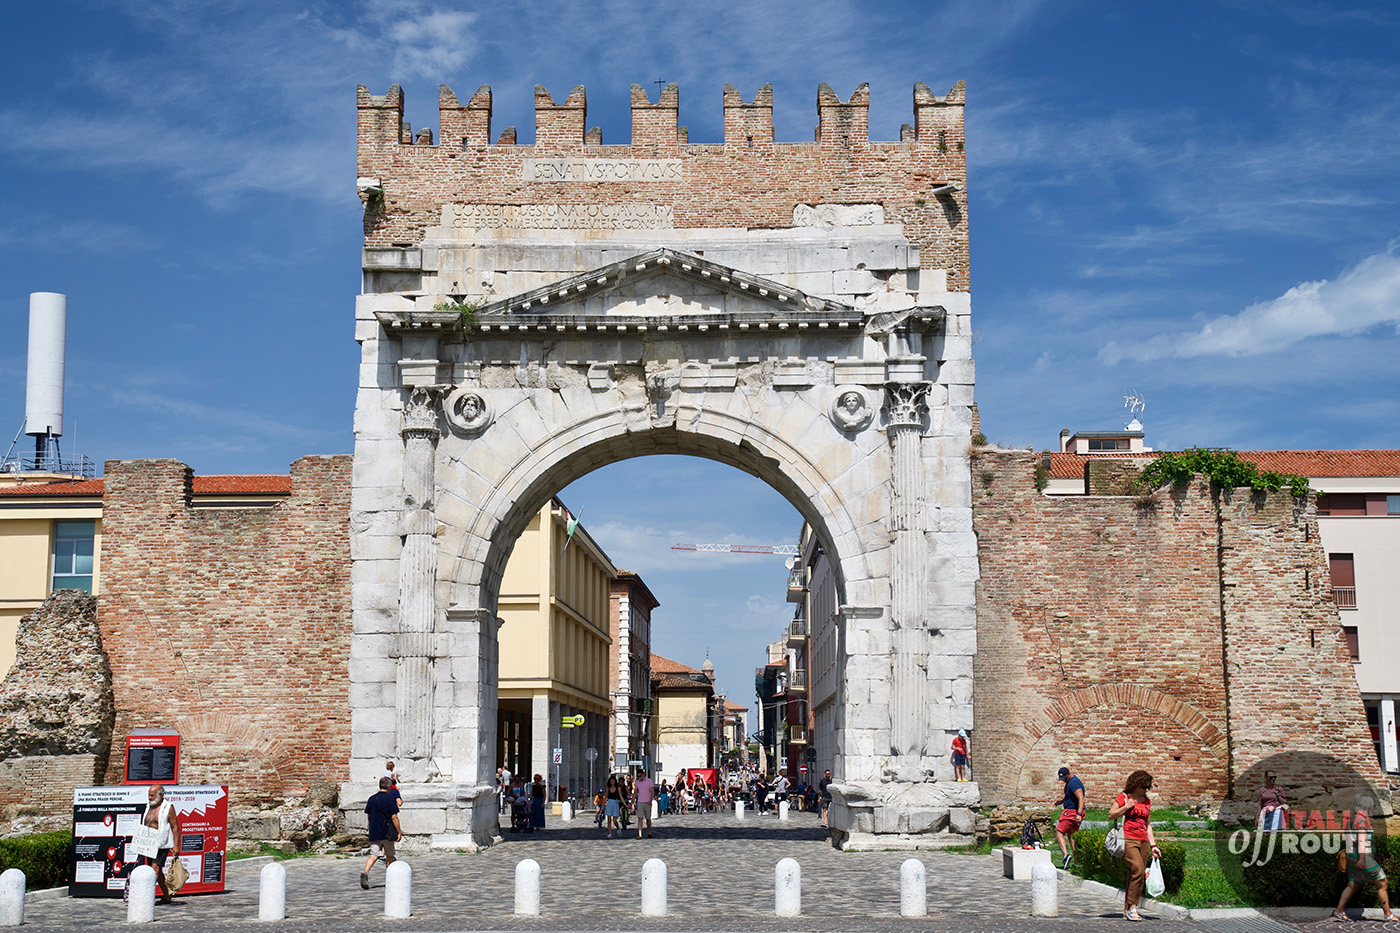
[720,879]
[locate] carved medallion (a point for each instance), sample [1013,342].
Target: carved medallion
[851,410]
[467,410]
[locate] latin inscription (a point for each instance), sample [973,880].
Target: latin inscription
[601,170]
[558,216]
[838,215]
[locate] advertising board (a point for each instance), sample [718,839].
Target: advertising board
[105,819]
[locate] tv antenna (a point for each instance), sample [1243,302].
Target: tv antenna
[1134,402]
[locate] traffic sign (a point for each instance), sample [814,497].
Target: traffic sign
[558,756]
[590,754]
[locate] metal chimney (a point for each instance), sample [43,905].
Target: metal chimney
[43,404]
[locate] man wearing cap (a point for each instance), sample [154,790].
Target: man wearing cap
[960,756]
[1071,815]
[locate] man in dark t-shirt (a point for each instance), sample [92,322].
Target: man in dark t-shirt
[384,831]
[823,786]
[1071,815]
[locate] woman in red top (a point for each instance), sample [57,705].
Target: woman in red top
[1140,848]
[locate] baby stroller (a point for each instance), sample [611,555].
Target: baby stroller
[520,814]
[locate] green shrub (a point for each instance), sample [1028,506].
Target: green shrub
[1299,880]
[1091,860]
[42,857]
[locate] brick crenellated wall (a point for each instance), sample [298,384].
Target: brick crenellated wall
[748,181]
[231,626]
[1106,626]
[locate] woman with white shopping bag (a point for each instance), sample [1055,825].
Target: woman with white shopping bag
[1140,848]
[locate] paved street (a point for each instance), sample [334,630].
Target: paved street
[721,879]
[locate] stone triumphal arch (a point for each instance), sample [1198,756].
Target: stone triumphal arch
[530,313]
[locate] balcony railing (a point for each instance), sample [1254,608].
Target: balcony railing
[795,587]
[797,735]
[797,680]
[797,631]
[1344,596]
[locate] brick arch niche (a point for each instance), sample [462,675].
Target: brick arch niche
[530,313]
[1107,731]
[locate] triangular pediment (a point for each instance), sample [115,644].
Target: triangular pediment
[665,283]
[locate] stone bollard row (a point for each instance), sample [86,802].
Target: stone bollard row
[738,809]
[655,810]
[272,892]
[141,895]
[11,897]
[787,888]
[398,890]
[1045,890]
[566,812]
[782,810]
[527,888]
[654,888]
[913,889]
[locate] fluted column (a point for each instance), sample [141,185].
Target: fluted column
[417,577]
[907,404]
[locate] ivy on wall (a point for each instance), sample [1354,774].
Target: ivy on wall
[1223,468]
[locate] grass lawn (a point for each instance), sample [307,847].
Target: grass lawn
[1204,884]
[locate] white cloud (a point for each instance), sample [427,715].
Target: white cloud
[1362,297]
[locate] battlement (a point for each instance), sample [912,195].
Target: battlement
[416,189]
[938,121]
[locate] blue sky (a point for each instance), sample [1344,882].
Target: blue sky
[1194,200]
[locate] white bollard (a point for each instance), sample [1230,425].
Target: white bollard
[11,897]
[141,895]
[1045,890]
[566,812]
[398,890]
[913,889]
[738,809]
[782,809]
[272,892]
[655,809]
[527,888]
[787,888]
[654,888]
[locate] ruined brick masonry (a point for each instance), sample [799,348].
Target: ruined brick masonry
[55,706]
[1192,635]
[231,626]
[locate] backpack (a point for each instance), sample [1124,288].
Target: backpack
[1030,835]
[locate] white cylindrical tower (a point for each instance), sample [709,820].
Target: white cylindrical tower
[43,401]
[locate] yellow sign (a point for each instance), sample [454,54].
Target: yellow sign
[568,722]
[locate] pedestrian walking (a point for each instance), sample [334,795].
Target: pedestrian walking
[613,806]
[160,815]
[538,792]
[1361,865]
[643,792]
[824,787]
[384,830]
[961,756]
[1140,847]
[1071,815]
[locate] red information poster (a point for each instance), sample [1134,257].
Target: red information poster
[203,810]
[104,819]
[152,756]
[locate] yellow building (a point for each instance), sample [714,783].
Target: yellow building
[50,539]
[554,653]
[685,728]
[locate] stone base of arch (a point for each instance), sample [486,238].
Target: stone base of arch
[868,816]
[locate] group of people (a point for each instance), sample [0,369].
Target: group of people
[524,801]
[624,795]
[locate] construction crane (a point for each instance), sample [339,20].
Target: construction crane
[788,549]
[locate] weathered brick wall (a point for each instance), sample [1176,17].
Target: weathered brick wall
[231,626]
[747,181]
[1290,673]
[1103,638]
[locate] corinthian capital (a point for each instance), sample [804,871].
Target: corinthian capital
[906,403]
[420,412]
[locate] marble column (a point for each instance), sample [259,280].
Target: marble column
[414,646]
[906,407]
